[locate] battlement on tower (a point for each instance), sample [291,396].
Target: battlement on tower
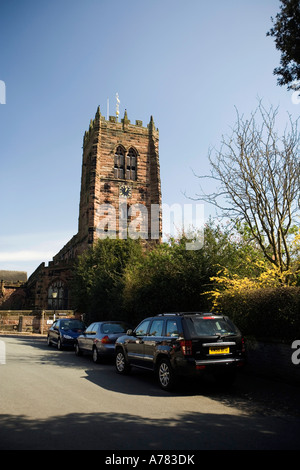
[113,124]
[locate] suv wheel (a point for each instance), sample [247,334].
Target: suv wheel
[166,375]
[121,364]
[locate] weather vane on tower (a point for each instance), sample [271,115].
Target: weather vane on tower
[117,106]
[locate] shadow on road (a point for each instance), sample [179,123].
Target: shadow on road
[130,432]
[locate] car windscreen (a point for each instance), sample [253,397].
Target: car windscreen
[210,326]
[75,325]
[112,328]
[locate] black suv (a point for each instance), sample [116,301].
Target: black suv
[182,344]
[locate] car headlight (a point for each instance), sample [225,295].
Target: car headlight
[67,337]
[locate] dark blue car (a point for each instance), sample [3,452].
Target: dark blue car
[64,332]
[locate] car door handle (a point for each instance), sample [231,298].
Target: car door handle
[139,341]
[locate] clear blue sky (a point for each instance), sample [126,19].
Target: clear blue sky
[186,63]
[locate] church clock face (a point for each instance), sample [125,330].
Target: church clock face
[125,190]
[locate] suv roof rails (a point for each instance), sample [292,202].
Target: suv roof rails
[186,313]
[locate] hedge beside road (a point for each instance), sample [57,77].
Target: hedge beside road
[269,314]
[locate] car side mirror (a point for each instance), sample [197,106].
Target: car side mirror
[130,333]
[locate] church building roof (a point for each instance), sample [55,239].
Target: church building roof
[13,276]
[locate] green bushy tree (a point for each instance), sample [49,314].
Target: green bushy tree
[98,280]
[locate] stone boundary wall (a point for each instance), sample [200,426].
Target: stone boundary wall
[30,321]
[273,360]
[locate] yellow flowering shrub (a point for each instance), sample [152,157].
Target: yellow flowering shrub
[269,276]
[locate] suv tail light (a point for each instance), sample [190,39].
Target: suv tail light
[105,340]
[186,347]
[243,345]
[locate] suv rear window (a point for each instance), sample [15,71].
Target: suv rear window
[210,326]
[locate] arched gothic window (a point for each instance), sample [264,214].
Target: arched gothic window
[125,168]
[57,296]
[131,165]
[119,163]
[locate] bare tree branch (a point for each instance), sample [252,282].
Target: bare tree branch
[258,178]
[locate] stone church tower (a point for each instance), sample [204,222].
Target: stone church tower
[120,197]
[120,183]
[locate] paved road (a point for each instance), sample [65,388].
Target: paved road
[55,400]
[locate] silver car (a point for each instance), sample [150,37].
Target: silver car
[99,339]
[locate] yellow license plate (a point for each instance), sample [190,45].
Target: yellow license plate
[219,350]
